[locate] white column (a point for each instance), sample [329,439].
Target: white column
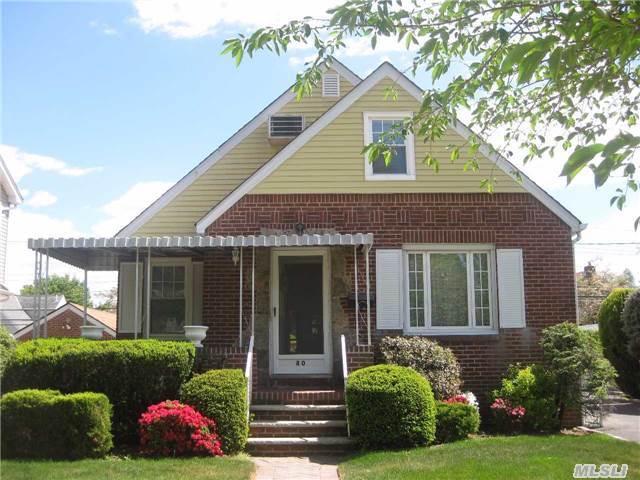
[35,298]
[253,290]
[84,313]
[355,275]
[148,324]
[368,249]
[46,295]
[240,306]
[136,323]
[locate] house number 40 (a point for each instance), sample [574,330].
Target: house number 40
[300,363]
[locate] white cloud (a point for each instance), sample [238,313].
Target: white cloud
[120,211]
[105,28]
[22,163]
[198,18]
[41,198]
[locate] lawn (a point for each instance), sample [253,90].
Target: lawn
[544,457]
[112,468]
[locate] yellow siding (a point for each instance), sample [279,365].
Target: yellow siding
[179,216]
[331,162]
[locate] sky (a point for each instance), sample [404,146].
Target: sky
[106,104]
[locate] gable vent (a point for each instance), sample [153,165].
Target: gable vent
[285,126]
[331,85]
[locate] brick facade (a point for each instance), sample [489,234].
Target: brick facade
[66,324]
[514,220]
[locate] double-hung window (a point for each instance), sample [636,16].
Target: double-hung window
[449,290]
[170,297]
[385,127]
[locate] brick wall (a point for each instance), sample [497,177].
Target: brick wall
[514,220]
[66,324]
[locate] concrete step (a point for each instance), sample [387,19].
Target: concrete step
[284,396]
[298,428]
[297,446]
[298,412]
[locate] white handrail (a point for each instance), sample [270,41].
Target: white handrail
[248,374]
[345,374]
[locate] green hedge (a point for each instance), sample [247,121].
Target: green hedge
[133,374]
[390,406]
[455,421]
[47,424]
[7,345]
[222,396]
[615,342]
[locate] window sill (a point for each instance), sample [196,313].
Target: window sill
[451,332]
[389,177]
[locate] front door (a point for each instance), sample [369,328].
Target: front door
[300,322]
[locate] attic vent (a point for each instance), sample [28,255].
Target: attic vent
[285,126]
[331,85]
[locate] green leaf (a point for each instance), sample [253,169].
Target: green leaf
[579,159]
[554,62]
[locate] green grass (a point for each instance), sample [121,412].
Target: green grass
[526,457]
[112,468]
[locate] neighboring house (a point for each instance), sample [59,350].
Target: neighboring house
[277,231]
[67,320]
[18,311]
[9,198]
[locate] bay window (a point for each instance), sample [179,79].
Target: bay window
[449,289]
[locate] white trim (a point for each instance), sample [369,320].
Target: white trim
[409,143]
[384,70]
[468,249]
[67,306]
[320,364]
[15,198]
[223,150]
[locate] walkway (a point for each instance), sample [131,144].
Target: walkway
[623,419]
[297,468]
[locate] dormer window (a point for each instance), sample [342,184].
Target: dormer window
[282,128]
[331,85]
[381,126]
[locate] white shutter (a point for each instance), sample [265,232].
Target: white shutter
[511,288]
[196,318]
[127,297]
[389,289]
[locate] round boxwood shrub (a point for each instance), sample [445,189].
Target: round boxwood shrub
[390,406]
[631,325]
[615,342]
[436,363]
[7,346]
[221,395]
[133,374]
[47,424]
[455,421]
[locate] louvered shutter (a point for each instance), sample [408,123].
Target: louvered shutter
[196,318]
[389,288]
[127,297]
[511,288]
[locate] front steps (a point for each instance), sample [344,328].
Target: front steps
[288,422]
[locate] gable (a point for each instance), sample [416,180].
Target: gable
[332,162]
[211,181]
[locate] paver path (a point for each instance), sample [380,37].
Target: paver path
[297,468]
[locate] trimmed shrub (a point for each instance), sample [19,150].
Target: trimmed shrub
[390,406]
[455,421]
[222,396]
[7,346]
[133,374]
[631,326]
[615,342]
[435,362]
[531,388]
[48,424]
[171,428]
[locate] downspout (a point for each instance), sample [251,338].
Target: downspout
[574,240]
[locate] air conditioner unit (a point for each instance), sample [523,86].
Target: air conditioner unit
[283,128]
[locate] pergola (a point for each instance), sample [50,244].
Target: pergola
[105,254]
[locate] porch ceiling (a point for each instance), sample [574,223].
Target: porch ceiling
[106,253]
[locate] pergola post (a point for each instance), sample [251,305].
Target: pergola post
[46,295]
